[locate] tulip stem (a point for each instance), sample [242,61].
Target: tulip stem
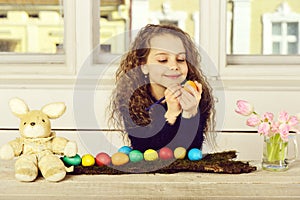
[276,148]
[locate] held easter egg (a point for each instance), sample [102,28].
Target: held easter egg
[136,156]
[125,149]
[150,155]
[180,153]
[76,160]
[87,160]
[103,159]
[195,154]
[191,83]
[119,159]
[165,153]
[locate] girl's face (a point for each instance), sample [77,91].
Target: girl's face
[166,63]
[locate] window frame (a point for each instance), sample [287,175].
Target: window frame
[241,68]
[62,71]
[283,16]
[29,65]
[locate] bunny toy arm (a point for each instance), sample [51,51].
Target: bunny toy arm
[63,146]
[10,150]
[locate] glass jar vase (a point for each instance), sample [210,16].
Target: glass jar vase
[276,155]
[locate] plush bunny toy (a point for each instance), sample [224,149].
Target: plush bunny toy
[38,145]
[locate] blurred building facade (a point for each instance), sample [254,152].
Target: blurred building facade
[253,26]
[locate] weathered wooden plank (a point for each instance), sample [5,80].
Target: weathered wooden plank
[258,185]
[153,190]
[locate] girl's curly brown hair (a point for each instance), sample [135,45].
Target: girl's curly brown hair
[131,96]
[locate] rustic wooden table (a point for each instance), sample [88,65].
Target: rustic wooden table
[259,185]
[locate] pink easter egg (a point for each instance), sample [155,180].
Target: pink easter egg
[103,159]
[165,153]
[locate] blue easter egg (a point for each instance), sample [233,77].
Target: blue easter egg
[125,149]
[195,154]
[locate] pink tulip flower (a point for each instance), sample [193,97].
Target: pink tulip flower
[244,108]
[293,121]
[268,116]
[275,127]
[284,130]
[253,121]
[283,116]
[264,128]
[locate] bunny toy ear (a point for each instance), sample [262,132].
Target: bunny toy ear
[18,107]
[54,110]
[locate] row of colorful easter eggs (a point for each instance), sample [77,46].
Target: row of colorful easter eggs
[126,154]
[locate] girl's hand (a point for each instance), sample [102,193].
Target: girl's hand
[172,95]
[189,100]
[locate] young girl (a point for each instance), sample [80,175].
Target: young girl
[160,60]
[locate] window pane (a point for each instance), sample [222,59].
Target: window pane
[292,48]
[276,48]
[120,16]
[276,28]
[31,26]
[114,16]
[292,29]
[256,24]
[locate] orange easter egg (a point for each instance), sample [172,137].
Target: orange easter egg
[191,83]
[119,159]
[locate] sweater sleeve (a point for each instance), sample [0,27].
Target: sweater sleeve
[186,133]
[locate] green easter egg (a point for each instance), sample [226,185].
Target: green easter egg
[136,156]
[76,160]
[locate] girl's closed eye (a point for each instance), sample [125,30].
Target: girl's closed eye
[162,60]
[180,60]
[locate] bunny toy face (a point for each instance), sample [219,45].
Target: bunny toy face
[36,123]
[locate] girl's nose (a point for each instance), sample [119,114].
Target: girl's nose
[174,65]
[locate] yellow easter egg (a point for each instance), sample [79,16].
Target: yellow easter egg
[119,158]
[180,153]
[87,160]
[150,155]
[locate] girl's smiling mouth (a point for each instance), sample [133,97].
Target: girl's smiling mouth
[175,76]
